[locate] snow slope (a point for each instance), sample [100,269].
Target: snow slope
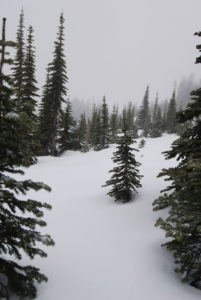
[105,250]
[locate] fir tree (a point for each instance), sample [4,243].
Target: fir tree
[45,118]
[18,231]
[171,115]
[57,88]
[29,140]
[129,114]
[182,197]
[114,124]
[66,139]
[104,134]
[95,130]
[156,124]
[143,118]
[83,134]
[18,67]
[98,145]
[125,179]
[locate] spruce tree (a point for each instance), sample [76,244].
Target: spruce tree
[114,124]
[129,113]
[156,124]
[29,140]
[83,134]
[45,118]
[56,88]
[143,117]
[104,133]
[66,140]
[19,218]
[18,66]
[125,178]
[171,115]
[182,196]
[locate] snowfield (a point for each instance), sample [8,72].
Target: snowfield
[105,250]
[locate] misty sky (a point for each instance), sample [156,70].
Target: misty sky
[114,47]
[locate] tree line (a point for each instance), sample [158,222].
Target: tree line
[49,127]
[28,130]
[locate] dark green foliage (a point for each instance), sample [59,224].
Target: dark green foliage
[45,119]
[129,114]
[54,94]
[114,123]
[156,124]
[67,133]
[125,178]
[171,115]
[104,130]
[83,134]
[95,129]
[143,118]
[182,196]
[18,68]
[27,109]
[19,233]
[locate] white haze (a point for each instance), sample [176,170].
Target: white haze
[114,47]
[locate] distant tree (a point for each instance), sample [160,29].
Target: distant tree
[171,115]
[83,134]
[125,179]
[182,196]
[143,117]
[19,231]
[104,132]
[45,118]
[95,130]
[156,124]
[129,113]
[66,140]
[185,86]
[114,122]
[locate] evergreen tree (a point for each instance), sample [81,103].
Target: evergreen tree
[171,115]
[83,134]
[98,145]
[104,134]
[95,130]
[66,140]
[143,118]
[18,231]
[125,179]
[130,120]
[18,67]
[182,197]
[114,124]
[45,118]
[29,140]
[56,88]
[156,124]
[92,126]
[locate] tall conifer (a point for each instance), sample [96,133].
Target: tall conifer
[182,196]
[18,67]
[57,89]
[18,231]
[125,178]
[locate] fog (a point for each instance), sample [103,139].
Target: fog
[114,47]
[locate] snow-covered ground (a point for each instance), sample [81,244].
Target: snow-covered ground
[105,250]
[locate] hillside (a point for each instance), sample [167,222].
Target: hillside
[105,250]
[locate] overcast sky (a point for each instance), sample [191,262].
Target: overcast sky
[114,47]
